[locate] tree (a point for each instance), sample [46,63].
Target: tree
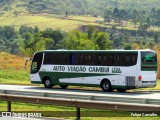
[108,16]
[66,13]
[143,27]
[26,44]
[9,32]
[25,29]
[153,11]
[157,17]
[127,46]
[148,21]
[116,14]
[56,35]
[90,32]
[122,15]
[156,38]
[149,45]
[91,39]
[33,43]
[135,17]
[36,29]
[102,41]
[135,46]
[114,35]
[76,40]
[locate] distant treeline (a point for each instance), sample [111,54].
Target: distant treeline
[142,19]
[28,40]
[89,7]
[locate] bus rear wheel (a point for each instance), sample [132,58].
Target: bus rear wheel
[106,86]
[47,83]
[63,86]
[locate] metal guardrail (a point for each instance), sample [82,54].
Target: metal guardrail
[84,97]
[81,101]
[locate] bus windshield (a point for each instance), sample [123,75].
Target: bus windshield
[149,61]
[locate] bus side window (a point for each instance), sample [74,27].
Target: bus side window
[86,59]
[134,59]
[81,59]
[99,59]
[66,59]
[116,59]
[105,61]
[110,58]
[55,57]
[122,59]
[130,59]
[77,59]
[49,58]
[91,59]
[72,59]
[46,58]
[127,59]
[96,59]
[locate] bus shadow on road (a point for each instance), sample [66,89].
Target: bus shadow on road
[89,90]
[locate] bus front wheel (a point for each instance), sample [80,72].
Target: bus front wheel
[106,86]
[63,86]
[47,83]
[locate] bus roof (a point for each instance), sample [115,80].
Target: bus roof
[90,51]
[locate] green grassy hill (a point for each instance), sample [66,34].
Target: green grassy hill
[74,7]
[44,21]
[18,12]
[51,13]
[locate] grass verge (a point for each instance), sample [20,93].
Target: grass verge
[70,112]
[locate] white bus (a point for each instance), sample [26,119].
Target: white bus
[107,69]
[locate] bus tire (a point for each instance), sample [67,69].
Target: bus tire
[47,83]
[63,86]
[121,90]
[106,86]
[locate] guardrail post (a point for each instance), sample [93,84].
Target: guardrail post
[9,106]
[78,116]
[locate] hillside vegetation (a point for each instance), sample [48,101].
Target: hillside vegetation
[11,61]
[45,21]
[127,14]
[12,69]
[75,7]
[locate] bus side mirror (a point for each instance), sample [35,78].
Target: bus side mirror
[28,59]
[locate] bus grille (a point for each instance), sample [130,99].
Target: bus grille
[130,81]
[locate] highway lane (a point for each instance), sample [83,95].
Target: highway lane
[141,95]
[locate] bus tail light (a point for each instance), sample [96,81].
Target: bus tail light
[140,78]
